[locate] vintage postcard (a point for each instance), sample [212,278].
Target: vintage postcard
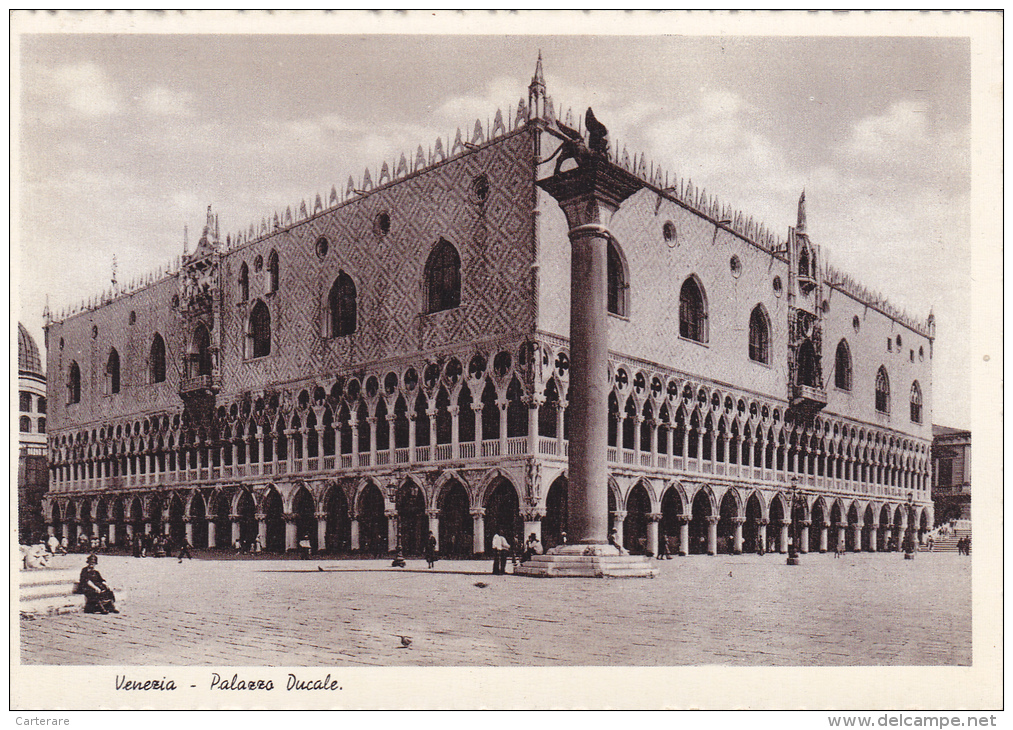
[507,360]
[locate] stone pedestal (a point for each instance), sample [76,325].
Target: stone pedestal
[587,561]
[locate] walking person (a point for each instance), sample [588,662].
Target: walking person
[500,546]
[185,550]
[431,549]
[304,547]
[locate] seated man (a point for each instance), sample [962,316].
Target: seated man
[532,547]
[98,595]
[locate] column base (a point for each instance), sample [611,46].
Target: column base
[587,561]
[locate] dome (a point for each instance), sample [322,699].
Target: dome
[28,353]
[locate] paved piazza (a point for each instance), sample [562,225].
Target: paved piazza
[861,609]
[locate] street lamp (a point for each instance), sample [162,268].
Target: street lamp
[909,535]
[793,547]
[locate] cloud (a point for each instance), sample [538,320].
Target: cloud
[162,101]
[85,89]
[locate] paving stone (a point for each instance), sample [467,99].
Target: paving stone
[869,609]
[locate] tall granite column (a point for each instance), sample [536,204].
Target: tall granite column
[589,195]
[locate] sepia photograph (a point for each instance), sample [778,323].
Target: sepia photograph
[536,359]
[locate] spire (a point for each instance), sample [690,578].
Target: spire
[186,239]
[114,273]
[537,98]
[800,226]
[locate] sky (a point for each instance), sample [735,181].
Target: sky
[124,139]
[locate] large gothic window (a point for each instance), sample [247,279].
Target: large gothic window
[808,371]
[618,287]
[113,371]
[74,384]
[692,311]
[916,402]
[842,366]
[244,282]
[202,349]
[273,271]
[342,306]
[443,278]
[260,330]
[882,391]
[759,336]
[156,361]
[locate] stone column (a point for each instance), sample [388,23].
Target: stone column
[411,437]
[824,529]
[737,537]
[391,442]
[560,426]
[803,536]
[455,434]
[354,534]
[840,535]
[782,544]
[212,534]
[761,532]
[322,525]
[873,537]
[291,532]
[669,440]
[371,420]
[684,534]
[653,519]
[638,421]
[477,407]
[188,527]
[652,428]
[618,520]
[391,515]
[112,534]
[856,535]
[354,425]
[434,523]
[502,405]
[262,529]
[130,532]
[712,534]
[478,532]
[95,529]
[236,531]
[534,404]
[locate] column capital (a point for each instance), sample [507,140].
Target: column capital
[320,515]
[763,521]
[784,523]
[432,513]
[389,513]
[533,514]
[477,511]
[454,410]
[806,523]
[371,420]
[260,516]
[738,520]
[654,516]
[619,514]
[684,519]
[713,519]
[289,516]
[210,518]
[477,406]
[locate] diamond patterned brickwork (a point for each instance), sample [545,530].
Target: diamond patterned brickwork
[657,269]
[493,238]
[154,313]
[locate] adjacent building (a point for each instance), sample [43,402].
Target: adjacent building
[33,470]
[951,469]
[391,360]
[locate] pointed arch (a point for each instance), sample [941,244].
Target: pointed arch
[759,335]
[74,383]
[693,310]
[156,360]
[916,402]
[273,271]
[882,390]
[113,372]
[443,277]
[342,305]
[618,281]
[842,366]
[259,332]
[244,282]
